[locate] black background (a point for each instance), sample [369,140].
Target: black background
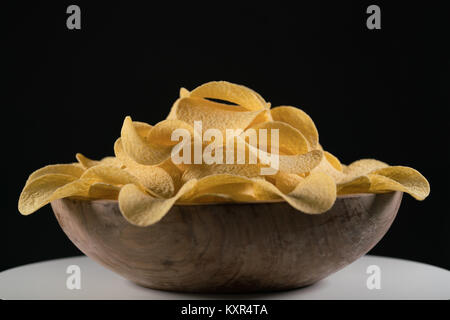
[372,93]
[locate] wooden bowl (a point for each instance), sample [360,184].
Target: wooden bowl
[238,247]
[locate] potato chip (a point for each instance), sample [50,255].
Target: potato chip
[333,161]
[100,190]
[141,209]
[263,116]
[399,178]
[331,166]
[87,163]
[299,120]
[286,182]
[314,194]
[357,185]
[238,188]
[139,149]
[37,192]
[231,92]
[184,93]
[108,174]
[77,188]
[198,171]
[213,115]
[154,178]
[67,169]
[300,163]
[360,168]
[210,198]
[162,132]
[291,141]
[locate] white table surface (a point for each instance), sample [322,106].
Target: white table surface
[400,279]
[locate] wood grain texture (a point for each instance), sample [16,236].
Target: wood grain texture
[229,247]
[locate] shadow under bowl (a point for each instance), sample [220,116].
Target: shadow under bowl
[233,247]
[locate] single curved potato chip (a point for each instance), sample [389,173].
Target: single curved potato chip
[141,209]
[333,160]
[399,178]
[85,161]
[77,188]
[162,131]
[100,190]
[37,192]
[68,169]
[108,174]
[212,198]
[291,141]
[238,188]
[198,171]
[184,93]
[360,184]
[360,168]
[213,115]
[299,120]
[139,149]
[300,163]
[231,92]
[142,128]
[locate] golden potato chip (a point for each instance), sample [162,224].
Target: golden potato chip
[142,128]
[360,168]
[77,188]
[333,160]
[184,93]
[162,132]
[220,183]
[286,182]
[198,171]
[211,198]
[399,178]
[141,151]
[298,119]
[67,169]
[291,141]
[300,163]
[330,165]
[314,194]
[154,178]
[263,116]
[108,174]
[231,92]
[100,190]
[237,188]
[37,192]
[141,209]
[85,161]
[213,115]
[173,171]
[360,184]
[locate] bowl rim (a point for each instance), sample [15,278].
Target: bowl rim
[345,196]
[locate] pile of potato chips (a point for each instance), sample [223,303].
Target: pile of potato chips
[147,183]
